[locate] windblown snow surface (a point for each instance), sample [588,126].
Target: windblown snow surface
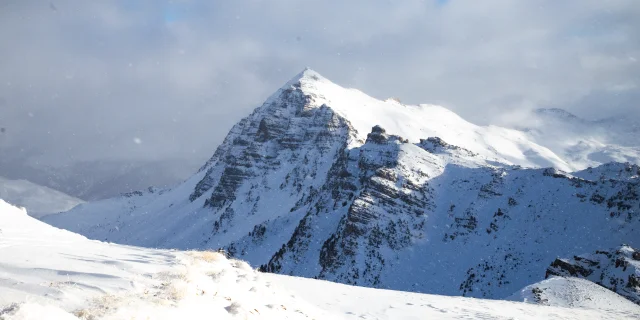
[48,273]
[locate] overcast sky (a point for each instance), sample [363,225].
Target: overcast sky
[81,80]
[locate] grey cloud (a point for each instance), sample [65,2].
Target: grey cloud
[81,82]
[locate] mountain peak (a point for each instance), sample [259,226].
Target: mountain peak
[306,75]
[557,112]
[411,122]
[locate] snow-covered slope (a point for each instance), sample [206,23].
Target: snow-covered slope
[317,183]
[617,270]
[582,143]
[38,200]
[47,273]
[365,303]
[613,170]
[574,293]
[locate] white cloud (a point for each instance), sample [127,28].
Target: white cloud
[178,74]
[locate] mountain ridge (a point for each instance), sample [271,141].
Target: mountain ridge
[584,143]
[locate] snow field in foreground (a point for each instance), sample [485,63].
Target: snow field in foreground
[48,273]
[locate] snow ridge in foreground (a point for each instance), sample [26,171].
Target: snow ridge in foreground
[48,273]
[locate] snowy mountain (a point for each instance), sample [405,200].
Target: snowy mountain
[583,143]
[38,200]
[329,183]
[573,292]
[48,273]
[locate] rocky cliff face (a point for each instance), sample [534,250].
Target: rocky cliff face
[309,187]
[401,213]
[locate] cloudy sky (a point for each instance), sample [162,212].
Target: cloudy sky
[136,79]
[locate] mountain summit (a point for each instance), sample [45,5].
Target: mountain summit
[327,182]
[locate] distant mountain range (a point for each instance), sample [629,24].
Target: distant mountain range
[95,180]
[38,200]
[585,143]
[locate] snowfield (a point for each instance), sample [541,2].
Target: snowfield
[48,273]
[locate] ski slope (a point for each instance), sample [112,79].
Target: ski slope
[48,273]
